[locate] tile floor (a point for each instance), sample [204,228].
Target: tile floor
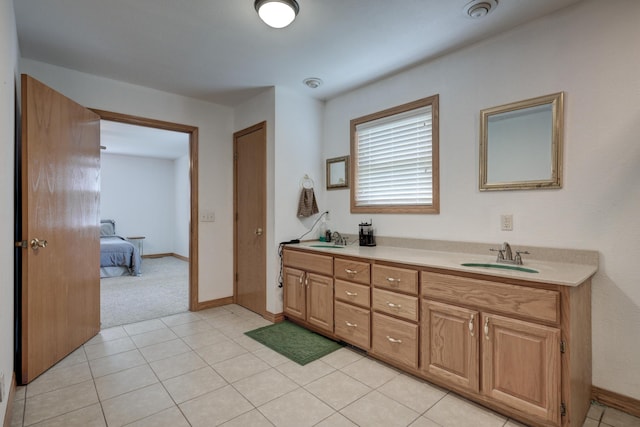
[198,369]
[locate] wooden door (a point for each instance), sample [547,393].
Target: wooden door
[250,177]
[60,188]
[450,344]
[521,365]
[320,301]
[295,294]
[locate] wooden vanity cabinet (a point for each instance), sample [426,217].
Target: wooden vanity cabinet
[504,343]
[353,302]
[308,289]
[395,329]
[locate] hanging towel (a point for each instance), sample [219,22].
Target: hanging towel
[307,205]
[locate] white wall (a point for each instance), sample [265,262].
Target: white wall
[294,129]
[8,76]
[182,206]
[590,51]
[215,124]
[139,193]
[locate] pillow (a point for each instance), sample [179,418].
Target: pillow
[107,228]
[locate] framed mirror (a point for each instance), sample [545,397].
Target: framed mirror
[521,144]
[338,173]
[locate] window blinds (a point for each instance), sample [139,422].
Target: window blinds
[394,160]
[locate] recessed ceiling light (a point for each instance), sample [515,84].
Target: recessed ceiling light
[479,8]
[312,82]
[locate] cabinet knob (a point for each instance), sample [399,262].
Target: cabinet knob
[259,231]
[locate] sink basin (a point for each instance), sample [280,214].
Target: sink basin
[500,267]
[327,246]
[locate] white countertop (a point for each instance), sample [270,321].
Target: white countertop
[558,273]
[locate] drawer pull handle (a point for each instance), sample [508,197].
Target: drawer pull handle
[392,305]
[472,321]
[394,340]
[306,281]
[300,278]
[393,282]
[351,325]
[348,271]
[351,294]
[486,328]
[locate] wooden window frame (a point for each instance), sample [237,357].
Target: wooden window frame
[434,207]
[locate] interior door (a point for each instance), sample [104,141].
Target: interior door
[250,176]
[60,186]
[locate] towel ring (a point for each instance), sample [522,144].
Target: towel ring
[306,182]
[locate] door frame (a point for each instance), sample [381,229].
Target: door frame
[193,178]
[236,135]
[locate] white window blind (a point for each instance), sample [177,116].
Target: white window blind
[394,160]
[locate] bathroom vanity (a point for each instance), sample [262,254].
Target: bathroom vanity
[513,340]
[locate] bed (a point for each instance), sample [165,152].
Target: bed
[118,256]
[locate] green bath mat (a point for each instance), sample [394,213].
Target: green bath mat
[295,342]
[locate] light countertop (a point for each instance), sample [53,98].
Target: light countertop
[558,273]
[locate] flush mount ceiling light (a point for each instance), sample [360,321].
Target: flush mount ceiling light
[277,13]
[312,82]
[479,8]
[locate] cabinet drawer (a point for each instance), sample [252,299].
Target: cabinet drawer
[395,278]
[352,293]
[395,339]
[352,324]
[354,271]
[396,304]
[532,303]
[307,261]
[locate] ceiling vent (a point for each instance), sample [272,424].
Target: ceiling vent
[479,8]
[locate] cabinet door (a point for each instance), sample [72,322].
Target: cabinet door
[521,365]
[320,301]
[294,293]
[450,344]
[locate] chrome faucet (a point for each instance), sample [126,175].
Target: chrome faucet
[505,255]
[338,239]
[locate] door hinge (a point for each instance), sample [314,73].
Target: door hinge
[236,277]
[563,410]
[235,156]
[563,346]
[23,244]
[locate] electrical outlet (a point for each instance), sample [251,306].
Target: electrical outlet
[506,222]
[207,216]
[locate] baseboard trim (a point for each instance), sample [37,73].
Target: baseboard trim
[275,318]
[616,400]
[157,255]
[202,305]
[183,258]
[12,392]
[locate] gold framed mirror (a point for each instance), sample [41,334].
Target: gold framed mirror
[521,144]
[338,173]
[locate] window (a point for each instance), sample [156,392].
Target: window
[394,159]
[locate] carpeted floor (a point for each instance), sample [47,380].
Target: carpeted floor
[163,289]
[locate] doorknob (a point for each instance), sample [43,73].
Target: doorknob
[36,243]
[259,231]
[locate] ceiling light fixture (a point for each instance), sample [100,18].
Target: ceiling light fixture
[277,13]
[312,82]
[480,8]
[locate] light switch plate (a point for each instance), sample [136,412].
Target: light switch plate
[207,216]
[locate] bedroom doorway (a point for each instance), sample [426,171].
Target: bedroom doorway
[164,256]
